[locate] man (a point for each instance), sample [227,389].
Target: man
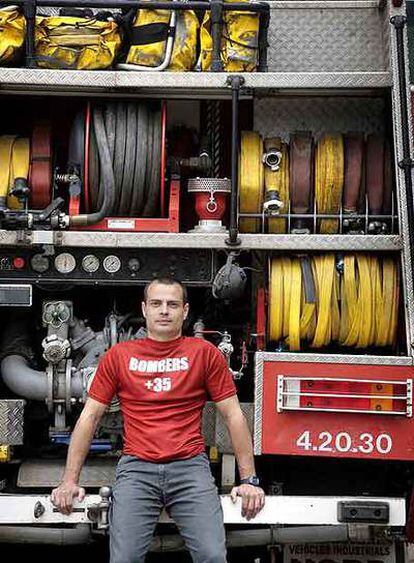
[163,382]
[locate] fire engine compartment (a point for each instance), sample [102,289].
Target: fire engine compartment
[86,297]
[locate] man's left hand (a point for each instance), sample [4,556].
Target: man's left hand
[253,499]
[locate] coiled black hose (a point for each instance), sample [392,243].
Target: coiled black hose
[133,132]
[107,175]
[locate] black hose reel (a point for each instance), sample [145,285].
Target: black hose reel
[122,174]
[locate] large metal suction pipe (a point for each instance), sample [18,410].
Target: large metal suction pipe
[29,383]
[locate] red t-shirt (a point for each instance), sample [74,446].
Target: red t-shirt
[162,388]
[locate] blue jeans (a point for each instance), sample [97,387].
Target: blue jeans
[186,488]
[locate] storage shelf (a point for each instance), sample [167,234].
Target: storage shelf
[102,239]
[188,83]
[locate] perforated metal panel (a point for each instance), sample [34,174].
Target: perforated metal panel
[11,421]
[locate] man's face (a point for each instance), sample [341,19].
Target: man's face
[164,311]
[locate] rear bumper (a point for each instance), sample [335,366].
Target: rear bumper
[278,510]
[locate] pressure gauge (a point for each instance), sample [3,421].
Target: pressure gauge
[90,263]
[65,263]
[39,263]
[112,264]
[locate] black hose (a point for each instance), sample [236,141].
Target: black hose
[107,175]
[153,184]
[129,160]
[138,195]
[131,133]
[119,156]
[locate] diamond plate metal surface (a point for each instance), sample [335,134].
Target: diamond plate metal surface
[208,423]
[222,437]
[282,116]
[258,403]
[172,83]
[11,421]
[315,39]
[96,239]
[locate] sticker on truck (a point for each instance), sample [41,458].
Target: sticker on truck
[339,553]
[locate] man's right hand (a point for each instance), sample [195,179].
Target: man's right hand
[63,496]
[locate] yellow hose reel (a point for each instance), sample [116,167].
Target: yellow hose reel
[312,300]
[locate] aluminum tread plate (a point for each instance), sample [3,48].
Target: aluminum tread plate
[299,510]
[279,117]
[326,39]
[11,421]
[54,80]
[102,239]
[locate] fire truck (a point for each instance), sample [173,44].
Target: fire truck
[261,153]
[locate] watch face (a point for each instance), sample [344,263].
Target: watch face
[252,480]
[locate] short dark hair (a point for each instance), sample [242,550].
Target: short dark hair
[166,281]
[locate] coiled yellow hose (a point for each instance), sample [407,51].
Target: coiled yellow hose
[358,308]
[329,179]
[250,180]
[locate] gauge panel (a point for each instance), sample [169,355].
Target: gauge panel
[102,266]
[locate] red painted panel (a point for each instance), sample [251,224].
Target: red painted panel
[335,434]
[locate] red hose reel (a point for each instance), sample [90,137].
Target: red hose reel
[135,224]
[40,173]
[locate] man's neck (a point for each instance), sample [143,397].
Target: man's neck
[164,337]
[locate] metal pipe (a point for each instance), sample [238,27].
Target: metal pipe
[81,534]
[406,163]
[29,11]
[196,5]
[216,34]
[318,215]
[236,83]
[33,384]
[164,543]
[261,537]
[262,39]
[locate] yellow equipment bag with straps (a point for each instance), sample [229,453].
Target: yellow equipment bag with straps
[149,36]
[68,42]
[239,43]
[12,33]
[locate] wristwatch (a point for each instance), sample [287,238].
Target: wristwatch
[251,480]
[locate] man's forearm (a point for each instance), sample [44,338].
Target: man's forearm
[79,446]
[242,444]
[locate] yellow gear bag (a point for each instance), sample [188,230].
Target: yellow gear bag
[239,42]
[68,42]
[12,33]
[149,39]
